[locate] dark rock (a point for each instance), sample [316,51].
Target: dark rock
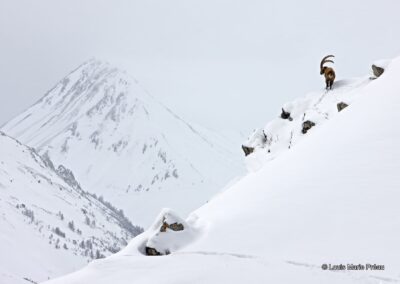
[152,251]
[286,115]
[307,126]
[176,227]
[164,227]
[341,106]
[173,227]
[247,150]
[378,71]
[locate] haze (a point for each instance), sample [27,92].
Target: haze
[228,65]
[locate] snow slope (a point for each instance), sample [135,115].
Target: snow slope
[124,145]
[49,225]
[332,199]
[281,134]
[300,116]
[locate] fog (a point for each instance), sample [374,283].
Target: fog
[228,65]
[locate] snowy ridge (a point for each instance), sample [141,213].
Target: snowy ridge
[299,117]
[124,145]
[50,226]
[332,199]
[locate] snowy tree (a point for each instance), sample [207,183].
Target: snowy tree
[58,232]
[71,226]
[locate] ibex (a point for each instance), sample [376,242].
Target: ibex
[328,72]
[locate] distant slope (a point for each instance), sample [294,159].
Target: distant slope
[49,225]
[332,199]
[124,145]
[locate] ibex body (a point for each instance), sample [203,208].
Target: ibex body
[328,72]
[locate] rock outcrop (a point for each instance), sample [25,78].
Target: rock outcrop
[174,227]
[307,125]
[341,106]
[247,150]
[286,115]
[378,71]
[152,251]
[378,67]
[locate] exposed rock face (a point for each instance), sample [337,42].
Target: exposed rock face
[341,106]
[174,227]
[152,251]
[286,115]
[307,125]
[247,150]
[378,71]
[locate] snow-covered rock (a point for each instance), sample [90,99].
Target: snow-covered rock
[306,114]
[168,234]
[124,145]
[49,225]
[332,199]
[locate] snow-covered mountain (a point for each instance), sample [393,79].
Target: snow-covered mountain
[124,145]
[332,199]
[49,225]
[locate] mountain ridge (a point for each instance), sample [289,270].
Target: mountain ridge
[50,225]
[138,153]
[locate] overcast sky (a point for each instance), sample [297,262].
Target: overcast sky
[222,63]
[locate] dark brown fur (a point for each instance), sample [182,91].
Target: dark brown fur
[328,72]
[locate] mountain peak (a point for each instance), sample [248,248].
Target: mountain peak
[122,143]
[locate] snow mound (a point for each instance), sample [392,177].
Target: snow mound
[168,234]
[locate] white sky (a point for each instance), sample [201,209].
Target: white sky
[225,64]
